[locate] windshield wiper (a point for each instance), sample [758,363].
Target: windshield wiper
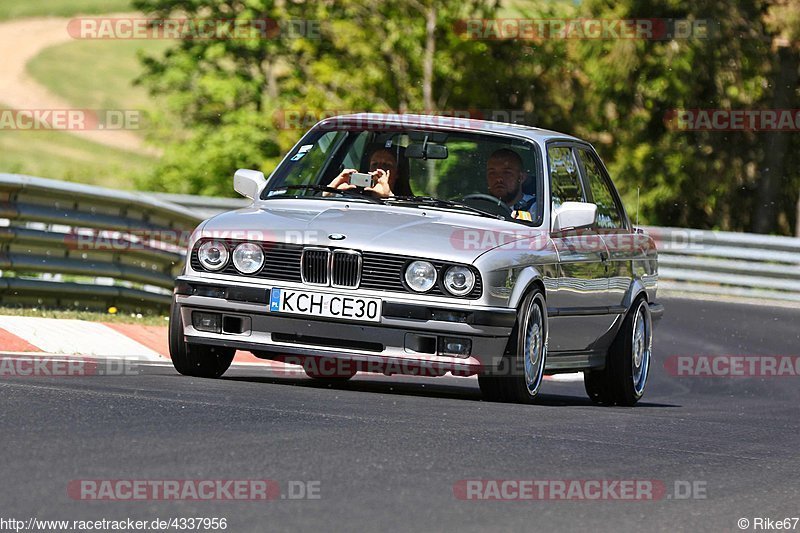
[438,202]
[323,188]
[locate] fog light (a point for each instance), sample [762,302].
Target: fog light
[458,346]
[208,322]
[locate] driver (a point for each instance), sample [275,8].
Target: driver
[504,177]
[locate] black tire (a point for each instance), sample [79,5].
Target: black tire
[194,359]
[623,380]
[514,380]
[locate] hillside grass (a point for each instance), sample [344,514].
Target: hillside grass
[63,156]
[14,9]
[96,74]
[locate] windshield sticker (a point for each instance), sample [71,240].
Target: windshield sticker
[298,156]
[305,148]
[388,144]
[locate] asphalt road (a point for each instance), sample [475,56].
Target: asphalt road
[386,453]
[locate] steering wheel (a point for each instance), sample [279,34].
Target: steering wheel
[488,203]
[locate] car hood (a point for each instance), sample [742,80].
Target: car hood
[429,233]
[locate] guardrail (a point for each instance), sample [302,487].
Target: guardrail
[728,264]
[203,206]
[69,245]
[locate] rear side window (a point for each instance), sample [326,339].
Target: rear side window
[608,214]
[565,177]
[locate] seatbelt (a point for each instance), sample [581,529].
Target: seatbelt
[521,209]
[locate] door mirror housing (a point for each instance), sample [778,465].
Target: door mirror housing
[574,215]
[249,183]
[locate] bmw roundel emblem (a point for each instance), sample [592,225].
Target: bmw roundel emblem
[337,237]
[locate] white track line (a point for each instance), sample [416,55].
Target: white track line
[575,377]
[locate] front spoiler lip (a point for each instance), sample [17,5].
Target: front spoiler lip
[394,364]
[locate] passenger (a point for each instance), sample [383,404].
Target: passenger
[392,176]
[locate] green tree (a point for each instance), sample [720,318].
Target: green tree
[224,95]
[726,180]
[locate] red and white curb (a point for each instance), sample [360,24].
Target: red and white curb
[21,334]
[51,336]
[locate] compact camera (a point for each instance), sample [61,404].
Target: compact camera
[359,179]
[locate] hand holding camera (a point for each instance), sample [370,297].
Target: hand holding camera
[375,182]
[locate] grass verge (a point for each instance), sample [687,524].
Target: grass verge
[91,316]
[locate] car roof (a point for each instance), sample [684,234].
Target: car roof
[443,123]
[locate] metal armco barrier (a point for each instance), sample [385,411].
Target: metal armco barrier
[728,264]
[69,245]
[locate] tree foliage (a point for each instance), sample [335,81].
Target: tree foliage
[226,97]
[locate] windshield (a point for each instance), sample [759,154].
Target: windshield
[476,173]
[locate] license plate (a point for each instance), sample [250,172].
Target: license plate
[328,305]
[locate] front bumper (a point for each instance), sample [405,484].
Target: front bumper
[408,335]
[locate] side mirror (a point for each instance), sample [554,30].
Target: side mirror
[574,215]
[249,183]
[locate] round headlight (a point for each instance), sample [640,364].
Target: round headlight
[213,255]
[459,280]
[248,258]
[420,276]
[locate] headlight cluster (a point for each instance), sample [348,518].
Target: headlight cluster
[459,280]
[248,257]
[421,276]
[212,255]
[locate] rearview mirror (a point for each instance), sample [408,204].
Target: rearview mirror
[249,183]
[574,215]
[426,151]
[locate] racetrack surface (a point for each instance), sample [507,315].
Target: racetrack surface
[388,451]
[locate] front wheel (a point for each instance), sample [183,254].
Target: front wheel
[193,359]
[623,380]
[519,376]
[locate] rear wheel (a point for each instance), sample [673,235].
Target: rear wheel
[623,380]
[194,359]
[519,376]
